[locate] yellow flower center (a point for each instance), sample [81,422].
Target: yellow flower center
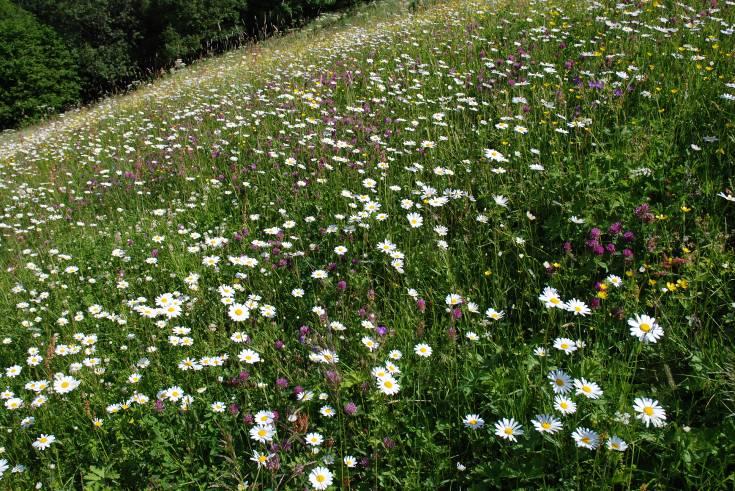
[554,300]
[564,346]
[546,425]
[508,431]
[648,410]
[586,439]
[587,389]
[645,327]
[321,478]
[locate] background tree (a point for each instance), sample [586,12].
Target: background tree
[38,74]
[86,49]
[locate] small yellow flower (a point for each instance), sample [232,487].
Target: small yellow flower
[671,286]
[685,209]
[488,272]
[661,217]
[602,294]
[652,282]
[682,283]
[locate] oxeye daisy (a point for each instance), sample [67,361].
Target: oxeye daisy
[260,458]
[370,343]
[415,220]
[545,423]
[395,355]
[645,328]
[649,411]
[500,200]
[615,280]
[238,312]
[508,429]
[564,405]
[264,417]
[586,438]
[616,443]
[305,396]
[262,433]
[453,299]
[566,345]
[588,389]
[314,439]
[551,299]
[63,384]
[13,403]
[320,478]
[473,421]
[379,372]
[388,385]
[43,441]
[392,368]
[249,356]
[495,156]
[327,411]
[577,307]
[561,383]
[423,350]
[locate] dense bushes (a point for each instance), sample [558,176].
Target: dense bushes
[37,71]
[55,53]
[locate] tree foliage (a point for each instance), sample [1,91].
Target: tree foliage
[37,71]
[95,47]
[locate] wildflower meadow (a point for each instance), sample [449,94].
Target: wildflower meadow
[445,245]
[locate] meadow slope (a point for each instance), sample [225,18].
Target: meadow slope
[475,245]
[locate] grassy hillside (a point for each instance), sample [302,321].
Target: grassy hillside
[475,245]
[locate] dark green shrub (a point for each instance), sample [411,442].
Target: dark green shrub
[38,74]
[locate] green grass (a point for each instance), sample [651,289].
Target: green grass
[629,125]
